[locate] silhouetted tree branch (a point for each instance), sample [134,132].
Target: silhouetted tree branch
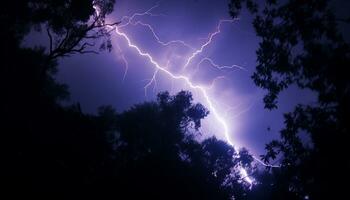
[301,45]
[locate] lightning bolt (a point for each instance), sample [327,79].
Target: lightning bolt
[148,12]
[203,91]
[159,68]
[220,67]
[178,77]
[155,35]
[152,80]
[130,18]
[126,63]
[209,40]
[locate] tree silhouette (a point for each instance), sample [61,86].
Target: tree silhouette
[301,45]
[71,27]
[43,144]
[158,151]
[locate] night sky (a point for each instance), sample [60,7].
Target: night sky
[96,80]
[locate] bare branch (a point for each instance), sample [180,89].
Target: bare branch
[50,38]
[71,42]
[85,51]
[113,24]
[64,39]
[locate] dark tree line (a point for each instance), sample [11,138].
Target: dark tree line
[301,45]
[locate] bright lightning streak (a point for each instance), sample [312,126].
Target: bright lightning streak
[181,77]
[152,80]
[209,40]
[158,39]
[191,85]
[218,66]
[201,89]
[264,164]
[126,63]
[130,18]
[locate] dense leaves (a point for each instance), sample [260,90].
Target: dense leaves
[302,45]
[156,142]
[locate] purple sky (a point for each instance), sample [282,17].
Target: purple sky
[96,80]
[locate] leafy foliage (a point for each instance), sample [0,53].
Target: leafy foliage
[301,45]
[167,159]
